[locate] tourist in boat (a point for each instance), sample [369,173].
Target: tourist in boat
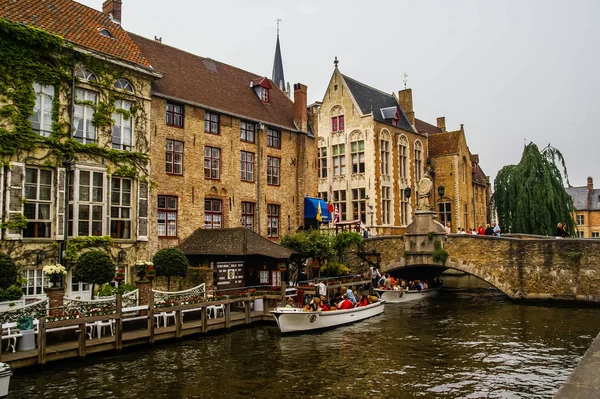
[324,306]
[375,275]
[290,303]
[363,301]
[349,294]
[345,304]
[322,288]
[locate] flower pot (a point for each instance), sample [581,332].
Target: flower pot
[150,277]
[118,279]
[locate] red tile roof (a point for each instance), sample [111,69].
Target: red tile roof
[424,127]
[76,23]
[443,144]
[214,85]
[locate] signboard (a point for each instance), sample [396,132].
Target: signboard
[230,274]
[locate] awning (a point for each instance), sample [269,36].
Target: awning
[315,208]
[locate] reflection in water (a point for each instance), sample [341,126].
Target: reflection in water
[462,344]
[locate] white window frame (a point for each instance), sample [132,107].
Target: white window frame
[120,205]
[580,220]
[338,156]
[122,126]
[595,234]
[36,282]
[386,205]
[384,151]
[322,160]
[84,114]
[403,151]
[37,201]
[78,289]
[76,202]
[358,156]
[44,98]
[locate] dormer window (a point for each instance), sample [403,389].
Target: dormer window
[262,88]
[105,32]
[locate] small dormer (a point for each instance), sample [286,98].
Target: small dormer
[390,114]
[262,87]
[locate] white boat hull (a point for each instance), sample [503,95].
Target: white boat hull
[392,296]
[296,320]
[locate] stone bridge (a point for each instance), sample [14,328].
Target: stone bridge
[522,267]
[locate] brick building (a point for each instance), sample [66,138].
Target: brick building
[586,202]
[229,149]
[466,198]
[368,153]
[74,121]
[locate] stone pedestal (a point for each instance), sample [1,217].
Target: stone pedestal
[55,300]
[144,291]
[422,233]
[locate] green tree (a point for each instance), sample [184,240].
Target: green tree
[170,262]
[94,267]
[8,271]
[308,244]
[343,240]
[530,197]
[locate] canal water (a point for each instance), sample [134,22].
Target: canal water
[469,342]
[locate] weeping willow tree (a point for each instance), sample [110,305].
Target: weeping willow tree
[530,197]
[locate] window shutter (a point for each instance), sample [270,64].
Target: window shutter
[60,204]
[14,197]
[143,211]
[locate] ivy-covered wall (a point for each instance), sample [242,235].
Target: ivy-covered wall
[29,56]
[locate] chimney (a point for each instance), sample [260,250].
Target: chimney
[405,101]
[300,107]
[590,184]
[112,8]
[441,123]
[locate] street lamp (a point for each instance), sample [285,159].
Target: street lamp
[40,256]
[121,256]
[441,190]
[407,192]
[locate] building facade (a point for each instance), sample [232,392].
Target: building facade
[368,154]
[586,202]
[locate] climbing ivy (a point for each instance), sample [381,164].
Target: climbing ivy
[17,222]
[439,254]
[76,244]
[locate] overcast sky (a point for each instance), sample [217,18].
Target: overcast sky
[509,70]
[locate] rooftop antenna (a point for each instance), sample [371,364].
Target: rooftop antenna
[278,21]
[405,79]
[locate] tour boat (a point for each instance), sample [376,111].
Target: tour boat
[296,320]
[393,296]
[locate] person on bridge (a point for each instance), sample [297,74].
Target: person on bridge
[375,275]
[489,230]
[497,230]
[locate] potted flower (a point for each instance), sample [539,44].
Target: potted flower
[150,272]
[141,268]
[119,275]
[54,273]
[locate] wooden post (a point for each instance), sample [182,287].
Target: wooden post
[82,336]
[248,314]
[42,341]
[204,316]
[265,306]
[119,322]
[283,292]
[178,320]
[151,317]
[227,314]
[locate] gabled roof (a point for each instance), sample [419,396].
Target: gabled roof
[370,99]
[443,144]
[582,200]
[215,85]
[77,24]
[238,241]
[424,127]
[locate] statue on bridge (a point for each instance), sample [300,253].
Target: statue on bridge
[424,191]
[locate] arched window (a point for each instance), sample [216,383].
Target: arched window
[123,84]
[85,74]
[403,156]
[337,119]
[418,160]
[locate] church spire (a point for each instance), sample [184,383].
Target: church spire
[277,77]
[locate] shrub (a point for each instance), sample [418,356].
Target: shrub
[12,293]
[334,269]
[170,262]
[8,271]
[94,267]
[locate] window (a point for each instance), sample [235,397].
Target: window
[339,201]
[264,94]
[385,205]
[247,131]
[403,157]
[174,157]
[273,138]
[595,234]
[337,123]
[211,122]
[80,289]
[41,120]
[359,205]
[263,277]
[339,159]
[248,215]
[418,161]
[120,208]
[273,171]
[167,216]
[445,212]
[322,162]
[85,74]
[272,221]
[174,114]
[122,138]
[403,208]
[247,166]
[580,220]
[105,32]
[323,195]
[213,214]
[36,281]
[38,193]
[385,157]
[89,207]
[358,156]
[212,163]
[466,214]
[123,84]
[85,131]
[464,170]
[276,278]
[580,234]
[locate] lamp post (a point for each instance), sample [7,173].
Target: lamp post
[121,256]
[441,190]
[40,256]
